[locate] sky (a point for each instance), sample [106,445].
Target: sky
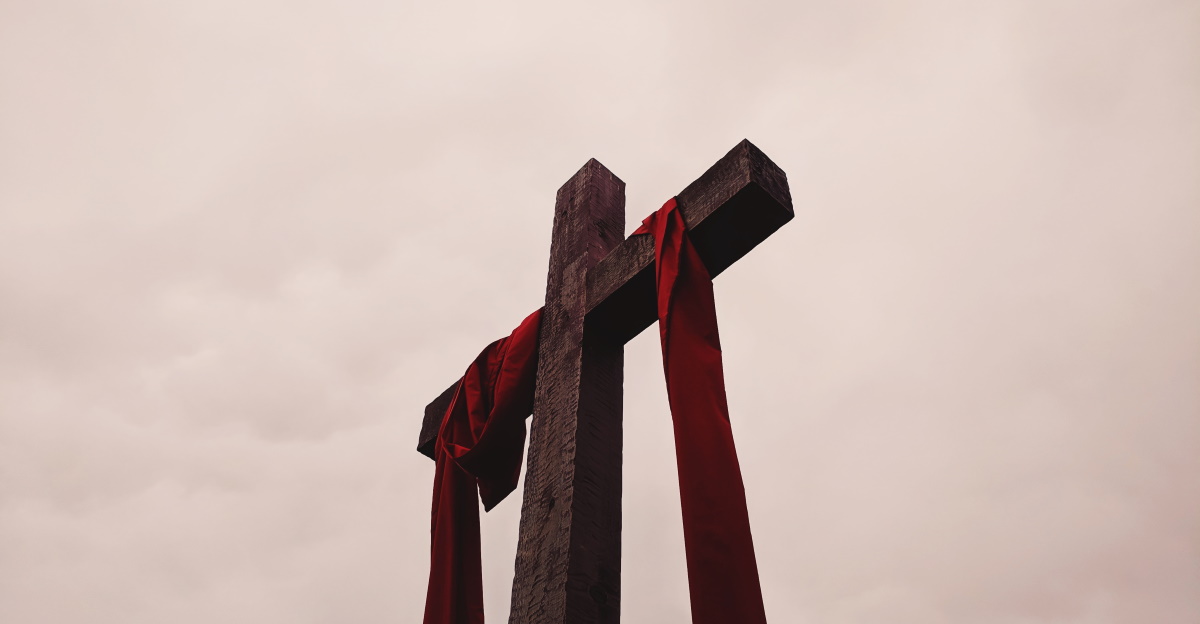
[243,243]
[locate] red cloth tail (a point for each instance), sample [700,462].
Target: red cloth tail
[722,572]
[480,445]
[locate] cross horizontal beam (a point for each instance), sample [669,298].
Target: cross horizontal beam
[731,208]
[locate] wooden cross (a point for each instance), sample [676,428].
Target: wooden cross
[599,295]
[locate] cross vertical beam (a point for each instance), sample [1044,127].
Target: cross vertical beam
[568,567]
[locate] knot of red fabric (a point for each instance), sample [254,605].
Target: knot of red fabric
[480,446]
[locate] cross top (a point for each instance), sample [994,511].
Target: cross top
[600,293]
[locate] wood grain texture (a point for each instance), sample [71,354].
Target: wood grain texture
[600,294]
[731,208]
[434,412]
[568,567]
[736,204]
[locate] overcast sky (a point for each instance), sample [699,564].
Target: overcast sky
[244,242]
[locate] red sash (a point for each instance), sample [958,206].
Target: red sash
[482,439]
[481,443]
[722,573]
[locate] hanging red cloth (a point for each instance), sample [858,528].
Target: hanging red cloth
[480,445]
[722,573]
[482,438]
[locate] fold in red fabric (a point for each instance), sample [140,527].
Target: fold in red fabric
[722,572]
[480,446]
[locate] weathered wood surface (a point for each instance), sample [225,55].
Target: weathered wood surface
[600,294]
[735,205]
[568,566]
[434,413]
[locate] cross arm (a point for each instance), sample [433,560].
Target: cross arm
[731,208]
[734,206]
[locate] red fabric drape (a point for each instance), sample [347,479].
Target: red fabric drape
[722,573]
[480,444]
[482,439]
